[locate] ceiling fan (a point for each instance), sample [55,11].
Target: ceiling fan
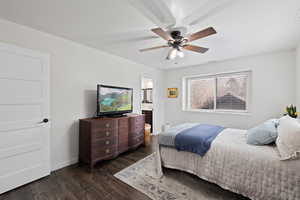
[177,42]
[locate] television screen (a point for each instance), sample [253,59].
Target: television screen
[114,100]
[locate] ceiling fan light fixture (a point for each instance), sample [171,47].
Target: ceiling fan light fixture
[177,42]
[172,54]
[180,54]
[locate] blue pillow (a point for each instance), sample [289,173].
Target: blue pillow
[264,133]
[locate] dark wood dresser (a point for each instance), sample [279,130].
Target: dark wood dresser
[105,138]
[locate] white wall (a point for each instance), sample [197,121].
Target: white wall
[273,87]
[147,83]
[75,72]
[298,77]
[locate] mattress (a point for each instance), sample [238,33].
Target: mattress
[253,171]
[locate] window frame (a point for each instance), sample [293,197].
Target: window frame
[186,92]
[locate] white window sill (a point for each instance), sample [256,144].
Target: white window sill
[246,113]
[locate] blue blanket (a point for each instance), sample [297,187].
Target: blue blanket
[197,139]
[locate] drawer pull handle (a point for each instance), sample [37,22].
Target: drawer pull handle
[107,125]
[107,133]
[107,142]
[107,151]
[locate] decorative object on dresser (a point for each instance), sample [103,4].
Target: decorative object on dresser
[105,138]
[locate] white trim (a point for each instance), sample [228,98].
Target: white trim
[186,92]
[231,112]
[63,164]
[218,74]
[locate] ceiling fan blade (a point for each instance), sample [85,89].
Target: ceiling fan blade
[152,48]
[201,34]
[162,33]
[195,48]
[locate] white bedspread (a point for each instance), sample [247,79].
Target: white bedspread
[253,171]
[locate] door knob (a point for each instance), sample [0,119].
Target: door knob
[45,120]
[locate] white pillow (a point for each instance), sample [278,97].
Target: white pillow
[288,141]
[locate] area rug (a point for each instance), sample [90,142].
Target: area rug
[174,185]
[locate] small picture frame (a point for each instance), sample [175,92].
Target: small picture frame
[172,92]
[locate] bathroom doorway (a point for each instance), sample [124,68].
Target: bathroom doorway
[147,100]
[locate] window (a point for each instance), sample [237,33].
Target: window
[202,93]
[219,92]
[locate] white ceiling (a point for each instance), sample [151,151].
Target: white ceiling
[122,27]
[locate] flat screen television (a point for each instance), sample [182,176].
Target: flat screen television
[112,101]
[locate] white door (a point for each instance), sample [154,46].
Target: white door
[24,103]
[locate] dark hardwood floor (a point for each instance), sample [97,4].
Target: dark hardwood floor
[76,183]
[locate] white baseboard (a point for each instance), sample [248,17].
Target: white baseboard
[63,164]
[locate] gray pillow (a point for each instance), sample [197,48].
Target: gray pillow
[264,133]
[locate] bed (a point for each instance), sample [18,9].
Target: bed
[252,171]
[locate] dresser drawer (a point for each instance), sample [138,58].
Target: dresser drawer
[136,134]
[123,130]
[136,141]
[137,128]
[123,123]
[139,119]
[105,142]
[137,124]
[123,136]
[104,134]
[103,152]
[122,147]
[105,124]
